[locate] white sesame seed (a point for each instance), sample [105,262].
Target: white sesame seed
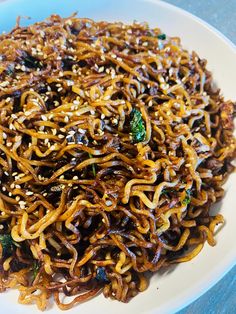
[61,136]
[101,69]
[81,131]
[44,118]
[108,203]
[100,132]
[75,178]
[29,193]
[4,84]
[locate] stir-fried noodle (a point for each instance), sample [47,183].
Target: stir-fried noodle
[114,144]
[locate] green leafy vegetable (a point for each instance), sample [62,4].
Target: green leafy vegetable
[35,268]
[137,126]
[30,61]
[10,69]
[187,198]
[162,36]
[101,275]
[166,192]
[8,245]
[93,166]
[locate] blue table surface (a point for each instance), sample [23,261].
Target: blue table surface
[221,299]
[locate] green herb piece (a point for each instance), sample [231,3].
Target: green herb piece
[30,61]
[93,165]
[101,275]
[8,245]
[137,126]
[35,268]
[164,192]
[162,36]
[187,198]
[10,69]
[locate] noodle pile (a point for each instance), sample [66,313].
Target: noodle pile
[114,144]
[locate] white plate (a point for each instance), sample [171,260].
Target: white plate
[188,281]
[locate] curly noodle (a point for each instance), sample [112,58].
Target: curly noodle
[114,144]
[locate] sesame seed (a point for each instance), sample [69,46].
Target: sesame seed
[9,144]
[18,186]
[75,178]
[113,55]
[44,118]
[4,188]
[29,193]
[6,173]
[61,136]
[108,203]
[81,131]
[17,198]
[100,132]
[114,121]
[101,69]
[4,84]
[103,116]
[45,194]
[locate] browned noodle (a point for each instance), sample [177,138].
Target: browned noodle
[85,205]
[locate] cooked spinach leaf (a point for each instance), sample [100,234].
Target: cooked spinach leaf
[137,126]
